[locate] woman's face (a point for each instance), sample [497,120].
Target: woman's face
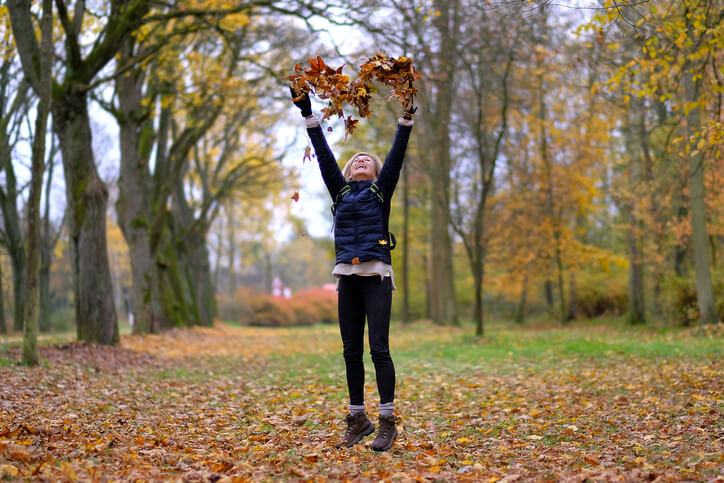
[363,168]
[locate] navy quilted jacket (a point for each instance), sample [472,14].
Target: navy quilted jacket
[361,219]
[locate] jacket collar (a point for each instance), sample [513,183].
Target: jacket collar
[358,186]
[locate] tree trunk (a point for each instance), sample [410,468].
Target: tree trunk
[44,296]
[428,287]
[405,243]
[47,242]
[174,293]
[520,312]
[15,243]
[96,318]
[702,264]
[134,200]
[442,291]
[3,327]
[193,260]
[478,274]
[232,255]
[30,328]
[553,216]
[200,273]
[18,261]
[572,296]
[681,250]
[636,311]
[548,293]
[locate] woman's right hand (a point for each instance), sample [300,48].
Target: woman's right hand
[303,103]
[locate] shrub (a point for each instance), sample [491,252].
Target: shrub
[270,311]
[600,294]
[683,307]
[305,307]
[314,306]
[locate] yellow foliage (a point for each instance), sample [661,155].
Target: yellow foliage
[234,21]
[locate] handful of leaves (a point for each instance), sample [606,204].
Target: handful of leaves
[329,83]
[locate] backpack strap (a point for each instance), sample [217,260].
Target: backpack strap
[345,189]
[377,192]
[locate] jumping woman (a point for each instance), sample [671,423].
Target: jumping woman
[361,195]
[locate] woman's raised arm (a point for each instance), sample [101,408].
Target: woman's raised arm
[331,173]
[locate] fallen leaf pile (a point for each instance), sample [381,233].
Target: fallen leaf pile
[251,404]
[331,84]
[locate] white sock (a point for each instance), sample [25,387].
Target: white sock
[387,409]
[355,409]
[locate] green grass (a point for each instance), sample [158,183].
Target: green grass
[503,400]
[506,347]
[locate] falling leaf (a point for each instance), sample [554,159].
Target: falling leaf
[355,261]
[295,196]
[307,154]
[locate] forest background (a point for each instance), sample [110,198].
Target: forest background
[565,162]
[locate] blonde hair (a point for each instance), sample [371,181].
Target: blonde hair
[347,170]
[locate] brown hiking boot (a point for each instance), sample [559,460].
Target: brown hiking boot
[358,426]
[386,434]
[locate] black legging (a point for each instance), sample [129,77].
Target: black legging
[371,297]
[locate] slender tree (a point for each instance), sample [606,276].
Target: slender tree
[3,327]
[30,328]
[486,89]
[13,110]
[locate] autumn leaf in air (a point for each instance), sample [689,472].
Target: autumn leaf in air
[295,196]
[307,154]
[337,89]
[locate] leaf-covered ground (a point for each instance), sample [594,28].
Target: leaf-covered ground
[590,403]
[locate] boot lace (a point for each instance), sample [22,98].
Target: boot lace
[386,428]
[350,420]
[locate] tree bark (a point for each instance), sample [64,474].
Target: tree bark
[47,242]
[193,259]
[550,205]
[636,313]
[3,327]
[230,225]
[702,263]
[87,195]
[405,244]
[15,243]
[134,200]
[548,293]
[30,327]
[200,278]
[478,277]
[442,292]
[520,311]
